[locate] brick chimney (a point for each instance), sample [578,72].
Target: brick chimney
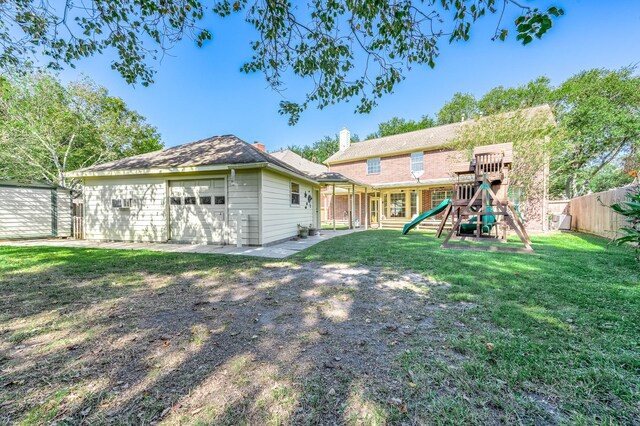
[258,145]
[345,139]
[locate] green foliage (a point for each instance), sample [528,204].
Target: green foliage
[610,176]
[462,106]
[598,114]
[48,129]
[631,211]
[501,99]
[533,136]
[321,149]
[349,50]
[397,126]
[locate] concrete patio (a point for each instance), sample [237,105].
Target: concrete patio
[276,251]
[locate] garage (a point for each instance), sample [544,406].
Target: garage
[31,209]
[198,210]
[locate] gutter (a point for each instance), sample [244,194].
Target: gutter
[164,171]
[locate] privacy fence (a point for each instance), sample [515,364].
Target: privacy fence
[591,213]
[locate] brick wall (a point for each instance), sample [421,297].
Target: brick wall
[397,168]
[342,207]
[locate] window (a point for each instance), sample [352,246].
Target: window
[373,166]
[218,200]
[205,200]
[397,205]
[417,162]
[189,200]
[295,194]
[414,203]
[176,201]
[116,203]
[439,196]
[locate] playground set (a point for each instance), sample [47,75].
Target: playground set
[479,207]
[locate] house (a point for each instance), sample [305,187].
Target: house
[220,190]
[33,209]
[223,190]
[404,175]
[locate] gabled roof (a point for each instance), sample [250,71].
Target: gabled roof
[425,139]
[216,150]
[299,162]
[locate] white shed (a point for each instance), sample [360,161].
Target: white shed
[31,209]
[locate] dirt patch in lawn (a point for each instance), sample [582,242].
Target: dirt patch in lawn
[309,343]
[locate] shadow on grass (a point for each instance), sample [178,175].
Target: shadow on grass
[104,336]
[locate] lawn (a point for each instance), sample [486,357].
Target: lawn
[366,328]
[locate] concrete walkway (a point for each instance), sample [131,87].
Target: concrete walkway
[276,251]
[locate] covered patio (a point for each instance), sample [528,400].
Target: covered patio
[349,203]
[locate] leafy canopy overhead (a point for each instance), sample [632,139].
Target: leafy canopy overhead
[347,50]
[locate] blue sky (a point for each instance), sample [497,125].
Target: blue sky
[200,92]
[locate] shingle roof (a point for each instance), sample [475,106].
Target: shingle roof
[299,162]
[318,172]
[430,138]
[216,150]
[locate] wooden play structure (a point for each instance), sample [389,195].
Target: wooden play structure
[480,208]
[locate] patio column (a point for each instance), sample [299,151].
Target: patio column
[333,206]
[360,207]
[366,209]
[353,204]
[348,208]
[380,210]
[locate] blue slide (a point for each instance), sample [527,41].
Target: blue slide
[409,226]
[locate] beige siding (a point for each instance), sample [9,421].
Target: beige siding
[244,205]
[25,212]
[280,218]
[144,221]
[64,213]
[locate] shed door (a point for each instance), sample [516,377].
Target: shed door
[197,210]
[25,212]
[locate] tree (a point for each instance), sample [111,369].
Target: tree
[599,116]
[321,149]
[346,49]
[610,176]
[397,125]
[461,106]
[501,99]
[48,129]
[534,138]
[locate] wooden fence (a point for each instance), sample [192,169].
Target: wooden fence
[591,213]
[78,221]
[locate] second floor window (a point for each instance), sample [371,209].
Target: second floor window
[417,162]
[373,166]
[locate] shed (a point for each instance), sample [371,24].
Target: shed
[34,209]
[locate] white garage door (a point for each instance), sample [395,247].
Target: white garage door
[25,212]
[198,209]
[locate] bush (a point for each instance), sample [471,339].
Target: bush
[631,210]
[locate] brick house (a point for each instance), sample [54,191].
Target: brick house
[390,180]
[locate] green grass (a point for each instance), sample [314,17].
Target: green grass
[564,324]
[338,227]
[549,338]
